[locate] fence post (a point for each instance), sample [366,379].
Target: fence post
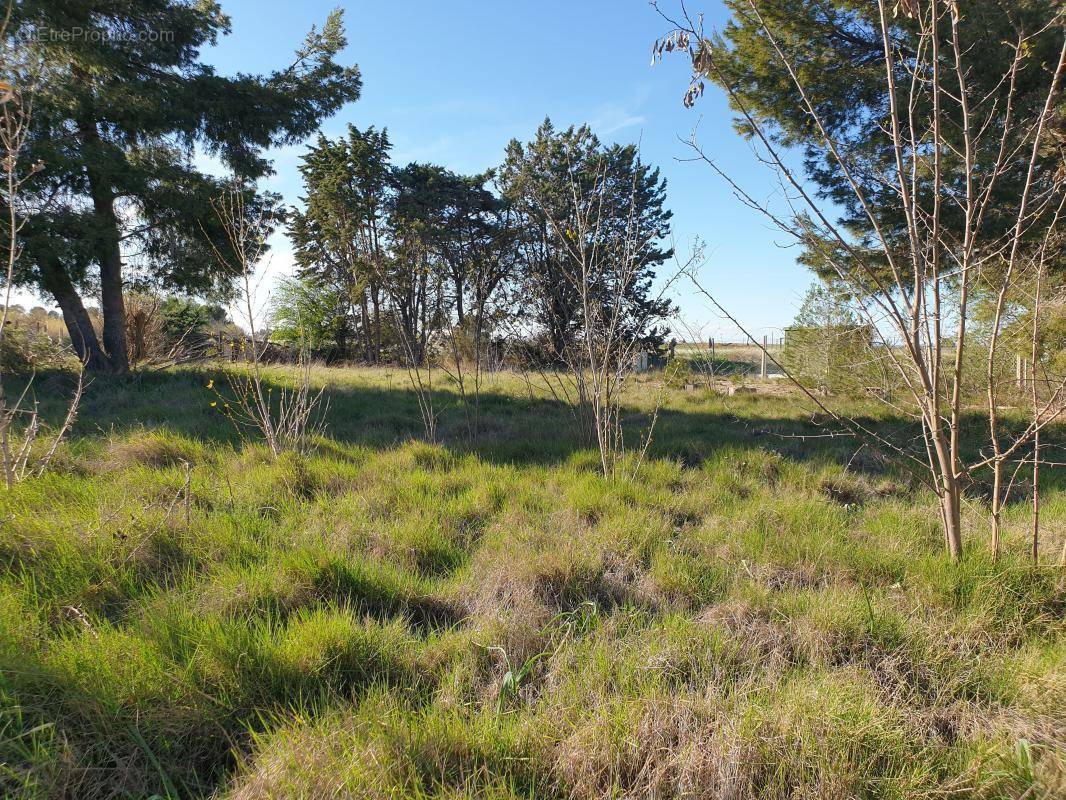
[762,368]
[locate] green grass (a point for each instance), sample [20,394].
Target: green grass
[745,615]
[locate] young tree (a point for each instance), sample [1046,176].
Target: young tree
[469,235]
[597,214]
[828,346]
[479,250]
[286,417]
[184,315]
[938,144]
[307,313]
[124,104]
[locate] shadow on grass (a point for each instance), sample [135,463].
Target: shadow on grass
[514,429]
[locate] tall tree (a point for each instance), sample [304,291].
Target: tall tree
[122,102]
[469,238]
[541,180]
[451,229]
[836,49]
[339,235]
[417,273]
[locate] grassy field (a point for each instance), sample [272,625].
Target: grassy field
[740,360]
[748,614]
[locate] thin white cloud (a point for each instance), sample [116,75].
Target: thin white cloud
[621,124]
[612,117]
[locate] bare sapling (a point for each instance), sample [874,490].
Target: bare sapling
[419,357]
[603,260]
[470,352]
[420,371]
[960,209]
[1039,385]
[554,380]
[20,422]
[465,370]
[287,417]
[147,340]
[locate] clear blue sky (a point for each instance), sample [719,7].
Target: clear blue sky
[455,80]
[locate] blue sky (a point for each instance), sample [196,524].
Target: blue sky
[455,80]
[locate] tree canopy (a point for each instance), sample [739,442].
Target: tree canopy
[835,50]
[407,251]
[541,179]
[117,119]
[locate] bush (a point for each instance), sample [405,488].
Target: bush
[678,373]
[24,350]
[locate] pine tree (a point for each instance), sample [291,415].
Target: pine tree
[339,236]
[837,52]
[541,179]
[121,103]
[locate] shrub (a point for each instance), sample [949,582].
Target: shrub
[24,350]
[678,373]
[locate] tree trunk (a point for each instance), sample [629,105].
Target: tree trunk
[460,290]
[951,514]
[996,515]
[364,313]
[108,252]
[947,480]
[559,340]
[375,297]
[342,343]
[79,326]
[112,303]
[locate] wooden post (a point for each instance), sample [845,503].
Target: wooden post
[762,368]
[1018,375]
[712,363]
